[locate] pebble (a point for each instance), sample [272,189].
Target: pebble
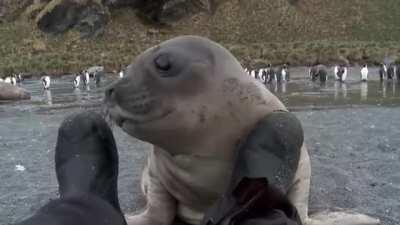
[19,168]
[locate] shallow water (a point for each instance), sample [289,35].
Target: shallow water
[306,95]
[351,131]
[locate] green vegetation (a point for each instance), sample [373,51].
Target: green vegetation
[341,31]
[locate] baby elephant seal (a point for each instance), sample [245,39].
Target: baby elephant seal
[87,171]
[193,101]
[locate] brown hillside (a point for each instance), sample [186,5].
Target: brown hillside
[277,31]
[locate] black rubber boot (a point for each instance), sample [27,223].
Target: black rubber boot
[87,171]
[265,167]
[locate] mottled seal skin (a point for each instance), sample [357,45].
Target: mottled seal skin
[193,101]
[11,92]
[86,162]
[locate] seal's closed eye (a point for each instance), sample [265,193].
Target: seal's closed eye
[163,62]
[169,62]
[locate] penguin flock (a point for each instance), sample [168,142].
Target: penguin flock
[279,76]
[389,72]
[14,79]
[268,74]
[82,78]
[340,72]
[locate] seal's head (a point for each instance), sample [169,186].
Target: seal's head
[176,92]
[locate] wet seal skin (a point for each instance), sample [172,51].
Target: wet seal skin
[193,101]
[11,92]
[86,163]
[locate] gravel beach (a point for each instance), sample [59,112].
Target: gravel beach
[353,141]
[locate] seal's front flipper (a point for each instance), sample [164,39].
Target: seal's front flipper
[266,164]
[161,206]
[253,202]
[342,218]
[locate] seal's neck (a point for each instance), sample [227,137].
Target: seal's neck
[216,139]
[239,115]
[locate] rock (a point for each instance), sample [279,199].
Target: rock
[39,46]
[119,3]
[174,10]
[87,16]
[10,92]
[165,11]
[20,168]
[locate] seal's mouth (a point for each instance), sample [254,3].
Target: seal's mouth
[135,107]
[142,107]
[140,117]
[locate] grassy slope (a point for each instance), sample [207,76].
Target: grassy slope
[254,30]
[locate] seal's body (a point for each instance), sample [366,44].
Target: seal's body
[11,92]
[191,99]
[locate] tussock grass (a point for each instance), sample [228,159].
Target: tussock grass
[273,31]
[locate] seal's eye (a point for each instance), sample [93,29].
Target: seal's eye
[163,62]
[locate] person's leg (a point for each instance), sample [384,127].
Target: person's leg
[265,168]
[86,161]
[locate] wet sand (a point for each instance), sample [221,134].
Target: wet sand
[355,160]
[353,138]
